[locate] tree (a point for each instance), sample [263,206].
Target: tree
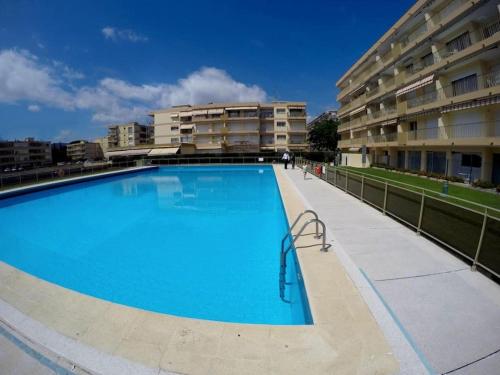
[323,135]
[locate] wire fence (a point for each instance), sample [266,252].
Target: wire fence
[467,228]
[30,177]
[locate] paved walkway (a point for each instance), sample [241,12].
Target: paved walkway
[451,313]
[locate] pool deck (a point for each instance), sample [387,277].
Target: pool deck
[353,333]
[451,314]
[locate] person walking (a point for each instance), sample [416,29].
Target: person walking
[286,159]
[292,159]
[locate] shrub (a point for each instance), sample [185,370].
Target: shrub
[483,184]
[498,188]
[455,179]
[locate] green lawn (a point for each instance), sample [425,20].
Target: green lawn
[472,195]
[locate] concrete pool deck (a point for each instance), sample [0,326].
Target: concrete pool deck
[450,313]
[349,335]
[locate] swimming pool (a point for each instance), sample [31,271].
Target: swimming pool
[198,242]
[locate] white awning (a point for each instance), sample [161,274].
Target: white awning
[239,108]
[200,112]
[217,111]
[416,85]
[185,114]
[143,151]
[163,151]
[358,110]
[354,149]
[297,107]
[187,126]
[174,115]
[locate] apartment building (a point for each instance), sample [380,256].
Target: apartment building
[327,115]
[24,154]
[129,135]
[233,127]
[426,95]
[83,150]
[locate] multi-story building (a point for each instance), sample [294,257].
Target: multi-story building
[233,127]
[426,95]
[327,115]
[129,135]
[24,154]
[83,150]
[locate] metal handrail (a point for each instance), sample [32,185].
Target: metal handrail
[284,253]
[289,233]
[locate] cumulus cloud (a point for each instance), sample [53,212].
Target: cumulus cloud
[24,78]
[34,108]
[114,34]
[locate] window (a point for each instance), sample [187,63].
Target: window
[174,140]
[174,128]
[459,43]
[464,85]
[280,124]
[427,60]
[281,138]
[130,130]
[280,111]
[409,68]
[436,162]
[414,160]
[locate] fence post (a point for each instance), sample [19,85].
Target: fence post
[362,187]
[421,214]
[385,198]
[480,243]
[335,177]
[346,179]
[326,173]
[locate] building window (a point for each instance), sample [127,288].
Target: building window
[459,43]
[130,130]
[174,140]
[409,68]
[427,60]
[281,138]
[464,85]
[436,162]
[174,128]
[280,111]
[414,158]
[280,124]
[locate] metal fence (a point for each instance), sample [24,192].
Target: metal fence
[11,180]
[467,228]
[28,177]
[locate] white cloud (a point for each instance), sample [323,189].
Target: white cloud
[34,108]
[63,135]
[115,35]
[24,78]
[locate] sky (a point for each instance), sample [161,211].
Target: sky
[70,68]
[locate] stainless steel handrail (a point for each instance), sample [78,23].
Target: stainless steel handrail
[284,253]
[289,233]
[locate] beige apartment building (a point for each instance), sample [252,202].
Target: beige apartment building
[83,150]
[129,135]
[426,95]
[24,154]
[233,127]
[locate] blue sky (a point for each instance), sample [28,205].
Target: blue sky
[70,68]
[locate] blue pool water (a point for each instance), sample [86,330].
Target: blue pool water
[200,242]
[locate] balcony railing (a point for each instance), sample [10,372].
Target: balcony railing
[469,130]
[383,138]
[297,114]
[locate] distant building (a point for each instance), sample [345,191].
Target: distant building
[233,127]
[83,150]
[104,143]
[129,135]
[327,115]
[59,152]
[26,154]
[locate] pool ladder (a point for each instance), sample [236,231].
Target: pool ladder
[289,234]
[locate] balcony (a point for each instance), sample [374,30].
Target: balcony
[480,133]
[461,90]
[297,114]
[382,138]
